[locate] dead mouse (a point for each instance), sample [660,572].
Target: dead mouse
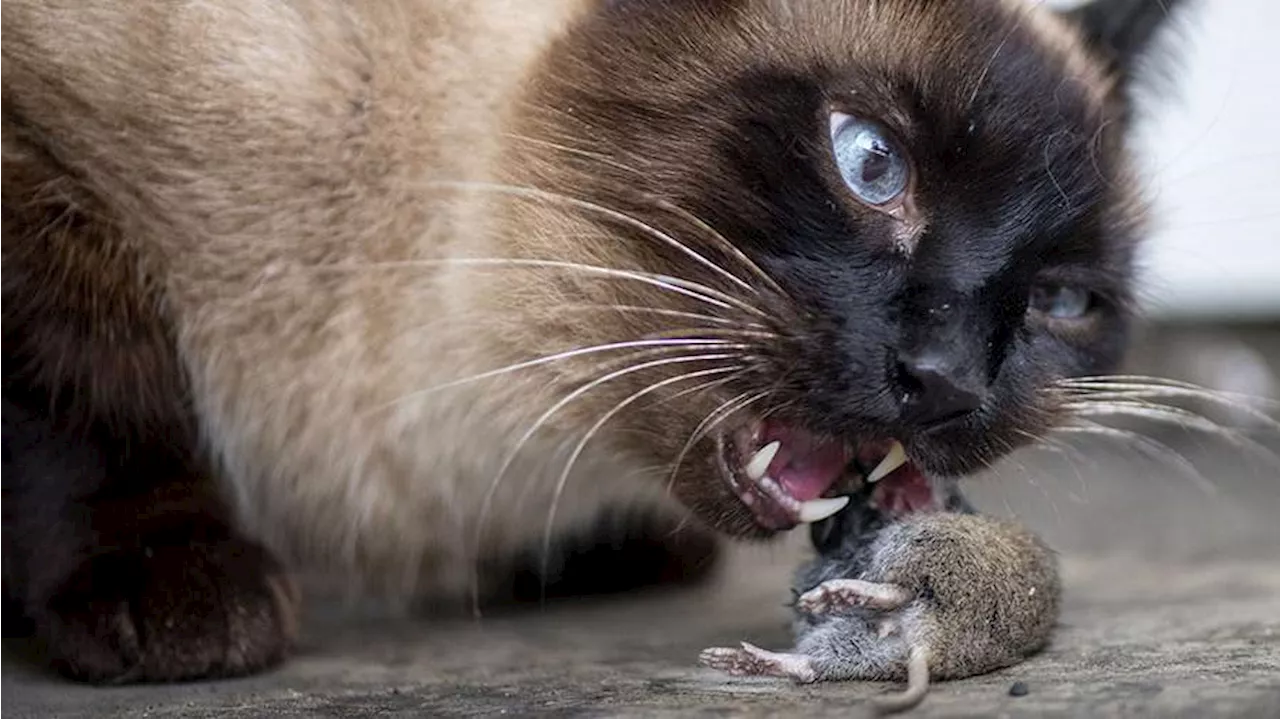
[892,597]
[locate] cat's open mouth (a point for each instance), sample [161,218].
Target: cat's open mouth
[789,476]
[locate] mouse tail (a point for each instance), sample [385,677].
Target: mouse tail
[917,684]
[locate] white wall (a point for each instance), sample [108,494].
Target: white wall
[1212,161]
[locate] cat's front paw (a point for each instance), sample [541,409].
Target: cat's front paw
[171,613]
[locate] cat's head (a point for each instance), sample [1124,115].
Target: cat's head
[858,223]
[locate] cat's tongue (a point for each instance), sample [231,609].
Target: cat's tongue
[804,466]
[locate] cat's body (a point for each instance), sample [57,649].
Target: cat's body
[252,250]
[313,175]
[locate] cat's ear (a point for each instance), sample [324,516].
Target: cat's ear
[1122,32]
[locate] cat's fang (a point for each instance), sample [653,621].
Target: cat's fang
[896,457]
[760,462]
[816,510]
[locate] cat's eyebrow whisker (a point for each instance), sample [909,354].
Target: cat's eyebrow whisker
[1148,447]
[1019,19]
[723,411]
[486,503]
[563,481]
[1068,203]
[624,218]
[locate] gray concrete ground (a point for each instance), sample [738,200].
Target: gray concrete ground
[1173,609]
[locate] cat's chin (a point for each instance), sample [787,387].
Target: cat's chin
[786,475]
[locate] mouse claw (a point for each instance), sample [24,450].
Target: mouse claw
[838,594]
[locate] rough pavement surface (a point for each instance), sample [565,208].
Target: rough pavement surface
[1172,610]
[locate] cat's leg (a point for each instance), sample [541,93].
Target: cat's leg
[126,566]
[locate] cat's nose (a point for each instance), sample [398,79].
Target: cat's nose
[935,393]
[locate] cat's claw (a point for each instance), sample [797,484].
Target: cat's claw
[750,660]
[839,594]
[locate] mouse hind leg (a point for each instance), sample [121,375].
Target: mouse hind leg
[869,648]
[836,649]
[750,660]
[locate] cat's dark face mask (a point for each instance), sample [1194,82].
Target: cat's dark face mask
[936,224]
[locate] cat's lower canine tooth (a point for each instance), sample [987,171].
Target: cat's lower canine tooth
[818,509]
[760,461]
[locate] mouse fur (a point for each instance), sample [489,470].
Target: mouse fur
[929,595]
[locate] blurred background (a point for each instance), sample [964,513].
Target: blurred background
[1204,487]
[1210,152]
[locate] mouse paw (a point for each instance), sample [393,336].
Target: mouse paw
[751,660]
[835,595]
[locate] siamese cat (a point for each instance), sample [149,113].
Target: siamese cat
[405,289]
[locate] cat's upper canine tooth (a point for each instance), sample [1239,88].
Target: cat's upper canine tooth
[818,509]
[760,461]
[896,457]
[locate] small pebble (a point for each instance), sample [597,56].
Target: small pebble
[1018,689]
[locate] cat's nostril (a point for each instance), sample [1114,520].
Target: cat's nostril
[933,397]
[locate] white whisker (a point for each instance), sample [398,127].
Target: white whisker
[1157,387]
[1145,410]
[487,503]
[1150,448]
[666,205]
[1067,452]
[724,242]
[1145,381]
[597,156]
[670,343]
[991,61]
[1172,415]
[640,309]
[703,386]
[725,410]
[712,332]
[688,288]
[563,481]
[1143,396]
[534,193]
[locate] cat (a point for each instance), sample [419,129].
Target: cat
[403,289]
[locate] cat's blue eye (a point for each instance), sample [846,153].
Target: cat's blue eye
[870,162]
[1061,302]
